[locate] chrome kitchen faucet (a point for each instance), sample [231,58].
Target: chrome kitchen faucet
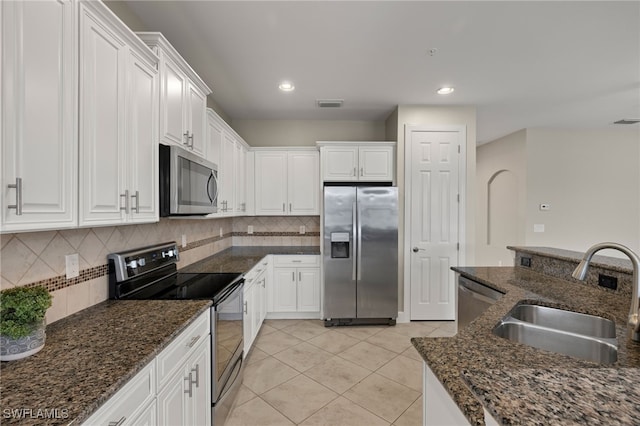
[580,273]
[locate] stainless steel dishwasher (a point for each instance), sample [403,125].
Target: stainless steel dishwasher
[473,299]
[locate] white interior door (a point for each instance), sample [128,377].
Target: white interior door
[433,207]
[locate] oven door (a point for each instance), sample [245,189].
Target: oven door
[227,340]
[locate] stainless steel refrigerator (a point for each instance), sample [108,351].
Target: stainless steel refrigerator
[360,255]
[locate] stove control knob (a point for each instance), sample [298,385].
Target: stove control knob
[142,261]
[133,264]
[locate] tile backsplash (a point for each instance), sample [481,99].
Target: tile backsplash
[38,258]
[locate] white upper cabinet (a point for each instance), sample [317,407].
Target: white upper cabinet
[39,127]
[226,176]
[357,161]
[287,182]
[118,122]
[183,97]
[240,181]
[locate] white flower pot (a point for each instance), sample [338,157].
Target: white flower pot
[13,349]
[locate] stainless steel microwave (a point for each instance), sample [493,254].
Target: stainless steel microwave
[188,183]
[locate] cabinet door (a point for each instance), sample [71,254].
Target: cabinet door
[240,180]
[303,183]
[308,289]
[142,146]
[196,124]
[284,290]
[340,164]
[199,398]
[103,59]
[376,163]
[213,147]
[173,108]
[147,417]
[39,134]
[271,183]
[171,401]
[247,319]
[226,175]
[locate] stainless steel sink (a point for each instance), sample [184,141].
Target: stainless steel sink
[583,336]
[559,319]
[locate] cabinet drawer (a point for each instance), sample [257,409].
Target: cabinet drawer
[297,260]
[130,401]
[174,355]
[257,270]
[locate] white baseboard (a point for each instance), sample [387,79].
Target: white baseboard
[402,317]
[293,315]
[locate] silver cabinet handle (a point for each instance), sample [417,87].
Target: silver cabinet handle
[186,138]
[299,276]
[118,423]
[190,138]
[293,275]
[361,171]
[126,201]
[289,207]
[197,373]
[354,171]
[296,261]
[245,307]
[282,207]
[193,341]
[137,197]
[189,390]
[18,188]
[263,282]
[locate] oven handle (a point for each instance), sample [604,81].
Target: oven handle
[229,290]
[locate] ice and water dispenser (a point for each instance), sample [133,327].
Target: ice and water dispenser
[340,245]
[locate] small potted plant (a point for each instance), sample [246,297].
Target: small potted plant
[22,323]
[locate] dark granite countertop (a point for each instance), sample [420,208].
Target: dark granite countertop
[513,399]
[89,356]
[242,259]
[616,264]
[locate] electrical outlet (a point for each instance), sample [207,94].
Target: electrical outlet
[72,262]
[250,229]
[525,261]
[607,281]
[303,229]
[184,240]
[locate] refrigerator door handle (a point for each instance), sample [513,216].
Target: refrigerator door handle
[359,262]
[354,247]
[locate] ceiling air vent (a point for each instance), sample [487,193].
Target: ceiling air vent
[627,121]
[329,103]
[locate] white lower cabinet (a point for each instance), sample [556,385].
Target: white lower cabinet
[255,302]
[173,389]
[439,409]
[295,291]
[131,404]
[186,398]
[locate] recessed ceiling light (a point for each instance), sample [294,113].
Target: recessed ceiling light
[445,90]
[286,86]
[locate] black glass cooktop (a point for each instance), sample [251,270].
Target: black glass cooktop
[181,286]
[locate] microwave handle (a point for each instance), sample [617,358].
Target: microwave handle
[213,196]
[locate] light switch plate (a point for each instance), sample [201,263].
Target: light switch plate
[184,240]
[250,229]
[72,262]
[303,229]
[221,234]
[538,227]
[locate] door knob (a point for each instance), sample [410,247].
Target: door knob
[416,249]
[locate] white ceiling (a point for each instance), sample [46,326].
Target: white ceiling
[522,64]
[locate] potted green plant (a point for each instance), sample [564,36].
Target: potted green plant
[22,323]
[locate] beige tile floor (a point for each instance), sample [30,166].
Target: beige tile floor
[300,373]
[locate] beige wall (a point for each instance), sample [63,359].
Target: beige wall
[437,116]
[591,178]
[306,132]
[504,155]
[391,126]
